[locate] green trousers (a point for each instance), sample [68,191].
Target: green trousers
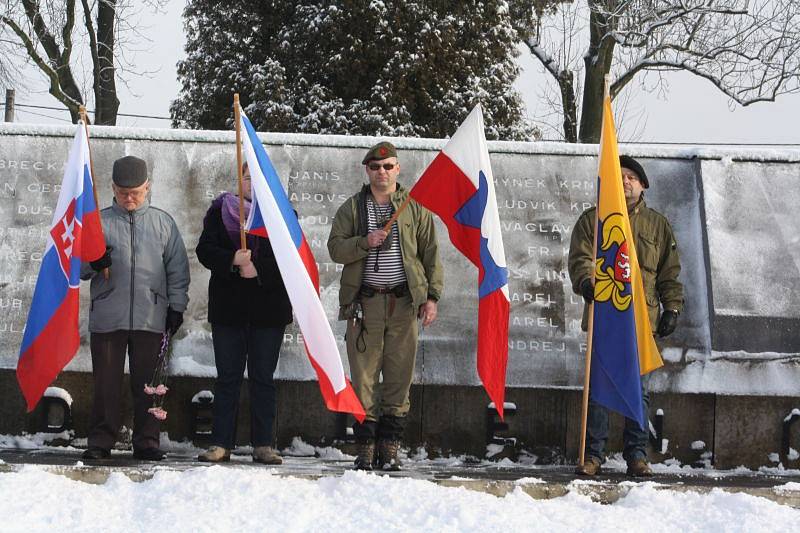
[382,349]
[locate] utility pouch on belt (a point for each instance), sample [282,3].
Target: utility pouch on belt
[351,311]
[400,290]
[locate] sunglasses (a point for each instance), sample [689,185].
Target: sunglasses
[386,166]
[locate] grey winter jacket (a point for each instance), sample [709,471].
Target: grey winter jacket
[149,271]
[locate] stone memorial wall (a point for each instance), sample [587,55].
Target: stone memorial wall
[734,222]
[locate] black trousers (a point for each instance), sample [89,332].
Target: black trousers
[258,349]
[108,366]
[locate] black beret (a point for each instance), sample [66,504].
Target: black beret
[129,172]
[630,163]
[382,150]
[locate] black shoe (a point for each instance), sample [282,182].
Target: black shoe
[149,454]
[95,453]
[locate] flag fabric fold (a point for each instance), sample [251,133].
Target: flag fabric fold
[458,186]
[623,347]
[51,335]
[272,214]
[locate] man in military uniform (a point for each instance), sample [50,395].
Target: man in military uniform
[389,280]
[660,267]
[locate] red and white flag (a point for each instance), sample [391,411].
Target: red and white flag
[459,187]
[272,214]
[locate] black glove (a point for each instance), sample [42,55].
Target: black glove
[587,291]
[104,262]
[174,321]
[669,319]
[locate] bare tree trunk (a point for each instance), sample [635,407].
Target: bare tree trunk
[569,104]
[598,64]
[66,84]
[62,82]
[106,101]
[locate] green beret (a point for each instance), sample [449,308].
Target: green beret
[382,150]
[129,172]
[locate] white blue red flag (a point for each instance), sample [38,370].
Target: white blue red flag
[51,335]
[459,187]
[272,214]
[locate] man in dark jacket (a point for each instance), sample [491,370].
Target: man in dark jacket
[139,289]
[660,267]
[248,309]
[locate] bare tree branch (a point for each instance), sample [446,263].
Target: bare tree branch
[45,32]
[44,66]
[749,49]
[87,22]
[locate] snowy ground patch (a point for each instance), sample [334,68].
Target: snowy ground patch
[300,448]
[31,441]
[237,499]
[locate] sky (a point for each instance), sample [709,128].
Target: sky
[692,112]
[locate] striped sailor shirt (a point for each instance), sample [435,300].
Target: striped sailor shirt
[383,267]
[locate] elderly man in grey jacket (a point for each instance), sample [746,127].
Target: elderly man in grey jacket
[138,291]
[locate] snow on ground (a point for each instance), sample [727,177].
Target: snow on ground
[299,448]
[255,499]
[33,441]
[264,499]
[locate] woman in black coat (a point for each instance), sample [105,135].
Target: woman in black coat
[248,309]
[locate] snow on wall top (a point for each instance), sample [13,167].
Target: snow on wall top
[733,153]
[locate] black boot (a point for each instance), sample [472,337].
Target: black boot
[390,435]
[366,455]
[387,455]
[365,441]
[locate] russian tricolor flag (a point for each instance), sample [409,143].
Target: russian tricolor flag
[271,213]
[459,187]
[51,335]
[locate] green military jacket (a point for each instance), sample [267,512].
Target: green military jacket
[347,245]
[655,248]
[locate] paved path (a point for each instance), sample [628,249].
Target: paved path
[539,482]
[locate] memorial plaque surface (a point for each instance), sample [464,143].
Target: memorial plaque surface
[541,191]
[754,247]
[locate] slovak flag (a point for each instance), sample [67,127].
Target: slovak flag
[51,335]
[272,214]
[459,187]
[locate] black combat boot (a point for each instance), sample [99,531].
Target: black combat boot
[387,455]
[366,455]
[390,435]
[365,441]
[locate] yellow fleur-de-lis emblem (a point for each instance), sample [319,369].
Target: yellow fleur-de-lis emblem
[612,281]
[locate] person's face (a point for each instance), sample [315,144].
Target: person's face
[247,184]
[383,174]
[131,198]
[632,185]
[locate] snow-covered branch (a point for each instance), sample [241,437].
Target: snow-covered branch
[749,49]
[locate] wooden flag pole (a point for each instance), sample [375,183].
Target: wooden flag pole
[237,118]
[590,328]
[396,214]
[588,369]
[85,119]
